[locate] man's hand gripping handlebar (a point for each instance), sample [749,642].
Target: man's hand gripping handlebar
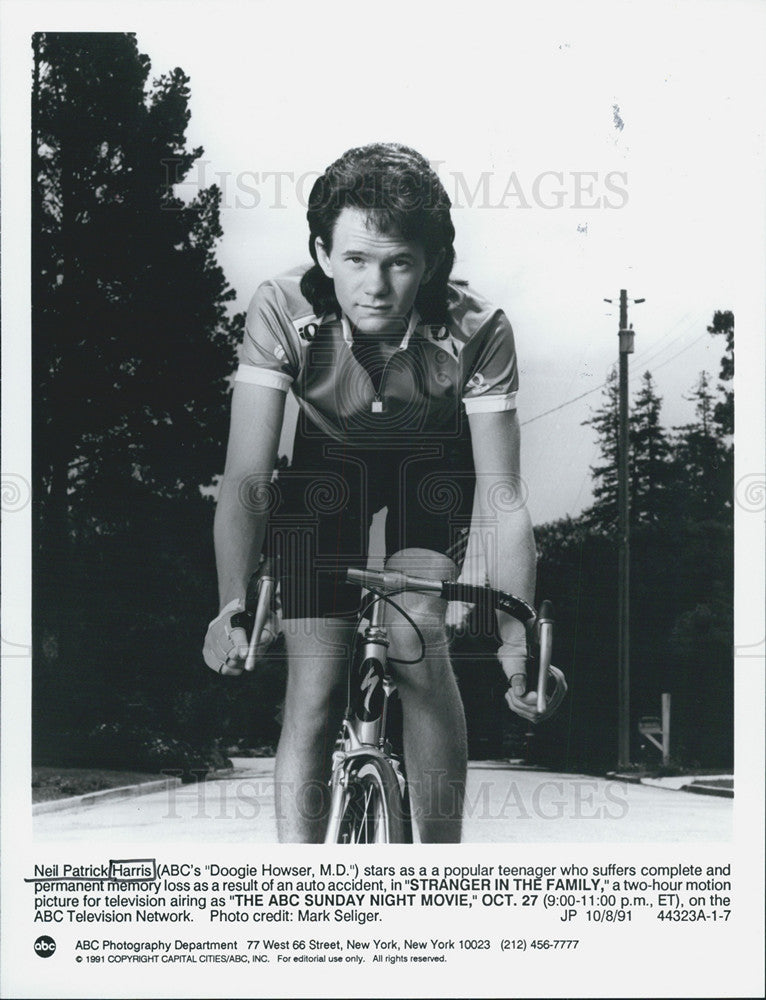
[543,701]
[245,629]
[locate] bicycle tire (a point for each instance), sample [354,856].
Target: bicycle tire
[372,811]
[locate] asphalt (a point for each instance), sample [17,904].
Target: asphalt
[245,767]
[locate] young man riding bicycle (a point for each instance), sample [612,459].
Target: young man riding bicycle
[406,383]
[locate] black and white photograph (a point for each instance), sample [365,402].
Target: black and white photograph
[383,465]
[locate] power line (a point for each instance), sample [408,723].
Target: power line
[649,356]
[562,405]
[589,392]
[651,352]
[668,360]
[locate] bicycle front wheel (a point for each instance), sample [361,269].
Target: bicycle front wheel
[372,810]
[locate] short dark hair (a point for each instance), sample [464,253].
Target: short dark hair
[403,195]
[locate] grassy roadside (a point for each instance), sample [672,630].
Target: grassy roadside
[63,782]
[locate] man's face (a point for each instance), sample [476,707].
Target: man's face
[376,275]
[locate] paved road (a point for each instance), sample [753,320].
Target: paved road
[503,805]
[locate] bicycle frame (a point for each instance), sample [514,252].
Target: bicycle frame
[369,798]
[364,726]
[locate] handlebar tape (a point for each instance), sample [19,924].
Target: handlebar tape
[488,598]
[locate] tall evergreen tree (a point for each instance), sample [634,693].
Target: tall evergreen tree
[603,514]
[650,473]
[132,348]
[701,461]
[649,470]
[132,345]
[723,413]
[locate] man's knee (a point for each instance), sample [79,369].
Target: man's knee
[427,609]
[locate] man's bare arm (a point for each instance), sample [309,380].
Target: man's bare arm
[242,512]
[500,515]
[502,521]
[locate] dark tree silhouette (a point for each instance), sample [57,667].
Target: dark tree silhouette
[651,471]
[702,461]
[681,584]
[723,414]
[603,514]
[702,636]
[132,350]
[132,345]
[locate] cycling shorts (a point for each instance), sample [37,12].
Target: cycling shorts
[321,509]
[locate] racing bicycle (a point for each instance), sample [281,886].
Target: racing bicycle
[369,800]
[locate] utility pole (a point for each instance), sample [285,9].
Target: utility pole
[626,335]
[623,531]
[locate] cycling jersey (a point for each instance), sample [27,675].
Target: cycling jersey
[321,510]
[378,429]
[470,359]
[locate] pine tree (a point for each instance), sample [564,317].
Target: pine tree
[132,346]
[132,349]
[602,516]
[701,460]
[723,413]
[650,472]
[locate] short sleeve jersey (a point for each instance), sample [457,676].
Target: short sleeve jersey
[436,372]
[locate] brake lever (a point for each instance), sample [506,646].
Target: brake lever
[544,630]
[260,593]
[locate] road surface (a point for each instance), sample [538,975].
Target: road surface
[504,804]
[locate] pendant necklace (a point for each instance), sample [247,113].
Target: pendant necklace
[377,405]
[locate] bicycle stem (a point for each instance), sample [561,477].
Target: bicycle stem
[390,580]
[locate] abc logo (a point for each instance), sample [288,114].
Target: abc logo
[45,946]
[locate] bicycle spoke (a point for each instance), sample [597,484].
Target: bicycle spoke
[371,807]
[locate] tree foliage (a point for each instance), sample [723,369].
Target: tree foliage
[603,514]
[649,459]
[132,349]
[651,478]
[681,581]
[723,414]
[132,345]
[703,461]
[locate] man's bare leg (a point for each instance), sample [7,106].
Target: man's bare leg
[317,655]
[435,744]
